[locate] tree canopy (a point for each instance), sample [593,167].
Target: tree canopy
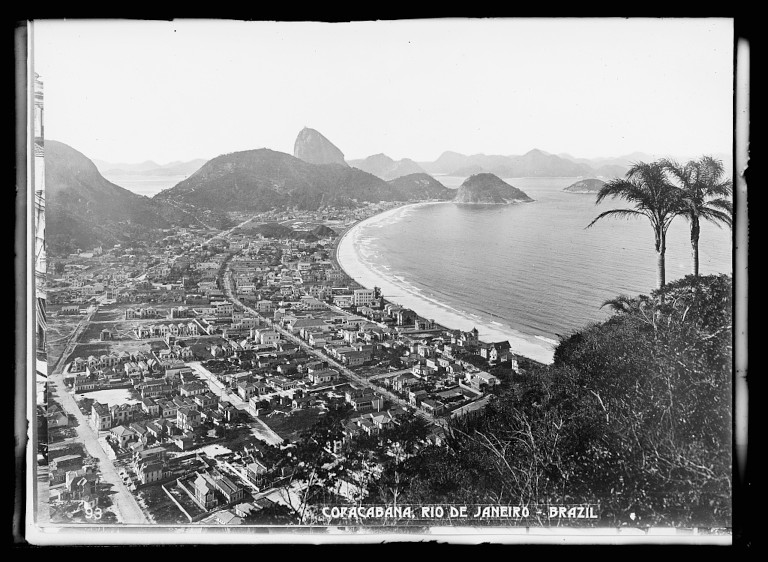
[634,415]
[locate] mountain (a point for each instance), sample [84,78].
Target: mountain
[126,168]
[277,230]
[386,168]
[585,186]
[322,231]
[466,171]
[611,170]
[84,210]
[312,147]
[446,163]
[488,189]
[263,179]
[535,163]
[421,186]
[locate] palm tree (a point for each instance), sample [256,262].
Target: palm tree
[706,195]
[647,188]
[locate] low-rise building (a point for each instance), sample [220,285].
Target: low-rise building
[187,419]
[150,472]
[101,416]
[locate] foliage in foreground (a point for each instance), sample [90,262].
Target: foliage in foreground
[634,415]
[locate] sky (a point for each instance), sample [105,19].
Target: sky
[130,91]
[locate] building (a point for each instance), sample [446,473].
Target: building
[362,297]
[246,390]
[187,418]
[193,389]
[364,400]
[256,472]
[204,492]
[150,472]
[481,379]
[123,435]
[101,416]
[317,376]
[231,491]
[150,407]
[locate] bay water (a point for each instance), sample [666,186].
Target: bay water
[529,273]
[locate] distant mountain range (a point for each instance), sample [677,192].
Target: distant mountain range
[150,168]
[384,167]
[488,189]
[263,179]
[534,163]
[84,209]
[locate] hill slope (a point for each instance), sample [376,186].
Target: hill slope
[263,179]
[421,186]
[633,415]
[84,210]
[488,189]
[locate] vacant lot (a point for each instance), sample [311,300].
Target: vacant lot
[162,509]
[87,349]
[109,313]
[289,426]
[112,397]
[59,330]
[105,347]
[120,330]
[71,448]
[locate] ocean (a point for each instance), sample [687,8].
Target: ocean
[528,273]
[145,185]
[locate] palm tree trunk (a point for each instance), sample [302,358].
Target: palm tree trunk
[695,230]
[661,249]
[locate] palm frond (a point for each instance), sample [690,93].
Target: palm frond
[724,188]
[613,188]
[722,204]
[619,213]
[713,166]
[622,303]
[677,171]
[717,217]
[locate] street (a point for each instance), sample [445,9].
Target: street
[309,349]
[260,430]
[127,509]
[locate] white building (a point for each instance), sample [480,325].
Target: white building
[362,297]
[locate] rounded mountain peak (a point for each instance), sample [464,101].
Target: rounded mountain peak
[489,189]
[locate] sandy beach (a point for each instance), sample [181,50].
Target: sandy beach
[353,258]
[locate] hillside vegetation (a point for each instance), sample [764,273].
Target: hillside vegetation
[633,416]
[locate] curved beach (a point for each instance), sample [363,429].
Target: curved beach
[356,259]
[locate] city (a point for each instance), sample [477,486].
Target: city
[185,373]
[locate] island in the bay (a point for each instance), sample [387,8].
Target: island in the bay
[589,185]
[488,189]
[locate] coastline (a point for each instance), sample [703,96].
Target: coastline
[532,347]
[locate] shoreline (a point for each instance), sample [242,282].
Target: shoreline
[537,348]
